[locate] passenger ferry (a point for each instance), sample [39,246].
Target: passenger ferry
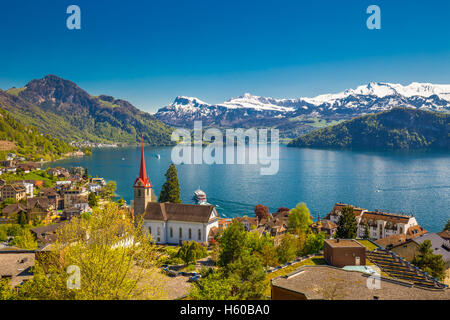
[200,196]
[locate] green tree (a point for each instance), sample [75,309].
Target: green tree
[314,242]
[191,251]
[429,262]
[86,174]
[287,249]
[240,274]
[347,228]
[447,225]
[14,230]
[92,200]
[7,202]
[233,244]
[22,219]
[299,218]
[3,235]
[366,234]
[109,269]
[25,240]
[215,286]
[110,189]
[6,293]
[170,191]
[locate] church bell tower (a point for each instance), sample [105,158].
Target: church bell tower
[143,191]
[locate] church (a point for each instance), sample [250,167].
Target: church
[171,223]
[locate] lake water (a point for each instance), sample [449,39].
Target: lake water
[402,182]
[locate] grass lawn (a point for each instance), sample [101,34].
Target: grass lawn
[369,245]
[23,176]
[314,261]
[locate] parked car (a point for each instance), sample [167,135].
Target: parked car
[195,278]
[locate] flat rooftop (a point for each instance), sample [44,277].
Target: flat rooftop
[343,243]
[330,283]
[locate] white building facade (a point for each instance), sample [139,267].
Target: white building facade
[175,223]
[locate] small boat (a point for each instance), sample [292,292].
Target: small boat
[200,196]
[123,159]
[158,156]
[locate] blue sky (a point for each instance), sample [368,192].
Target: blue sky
[149,52]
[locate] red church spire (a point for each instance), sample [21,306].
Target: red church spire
[143,172]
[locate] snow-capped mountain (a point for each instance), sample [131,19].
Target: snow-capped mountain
[248,110]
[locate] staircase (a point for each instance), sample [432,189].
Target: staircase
[399,268]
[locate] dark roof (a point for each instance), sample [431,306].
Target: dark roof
[327,282]
[438,244]
[444,234]
[47,229]
[392,240]
[349,243]
[42,202]
[49,192]
[13,208]
[179,212]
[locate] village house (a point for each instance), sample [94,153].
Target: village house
[70,213]
[14,191]
[380,224]
[410,248]
[224,223]
[99,181]
[94,188]
[73,196]
[54,197]
[28,167]
[58,172]
[444,235]
[344,252]
[10,213]
[248,222]
[77,170]
[41,209]
[46,234]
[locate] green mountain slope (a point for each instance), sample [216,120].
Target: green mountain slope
[398,128]
[28,141]
[60,108]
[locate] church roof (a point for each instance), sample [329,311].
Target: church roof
[143,179]
[179,212]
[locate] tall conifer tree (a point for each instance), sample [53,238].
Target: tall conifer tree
[347,228]
[170,191]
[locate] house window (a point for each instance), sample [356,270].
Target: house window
[148,191]
[139,192]
[181,233]
[401,230]
[190,233]
[199,234]
[150,229]
[171,232]
[159,231]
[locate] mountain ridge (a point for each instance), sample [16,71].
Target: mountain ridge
[293,116]
[397,128]
[60,107]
